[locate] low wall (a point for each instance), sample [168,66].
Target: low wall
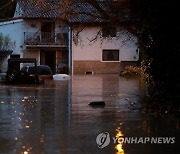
[80,67]
[98,67]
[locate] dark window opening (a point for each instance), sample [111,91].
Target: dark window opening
[48,27]
[110,55]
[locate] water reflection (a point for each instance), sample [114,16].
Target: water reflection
[119,146]
[56,118]
[26,150]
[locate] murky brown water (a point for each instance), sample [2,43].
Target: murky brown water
[55,118]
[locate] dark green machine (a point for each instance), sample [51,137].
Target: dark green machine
[15,75]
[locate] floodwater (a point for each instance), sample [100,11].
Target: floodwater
[55,118]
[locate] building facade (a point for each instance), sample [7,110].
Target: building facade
[88,48]
[96,52]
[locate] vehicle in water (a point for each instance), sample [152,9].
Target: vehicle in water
[15,75]
[44,72]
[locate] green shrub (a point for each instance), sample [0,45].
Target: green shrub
[5,43]
[6,47]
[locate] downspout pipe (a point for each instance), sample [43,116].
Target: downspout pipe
[70,51]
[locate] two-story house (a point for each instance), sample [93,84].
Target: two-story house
[89,46]
[36,34]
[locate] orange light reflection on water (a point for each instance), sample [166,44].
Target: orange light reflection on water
[119,146]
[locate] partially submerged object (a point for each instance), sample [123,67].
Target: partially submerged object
[97,103]
[61,77]
[2,77]
[16,76]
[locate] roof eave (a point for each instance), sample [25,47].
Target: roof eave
[10,19]
[89,24]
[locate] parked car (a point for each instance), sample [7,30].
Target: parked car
[43,71]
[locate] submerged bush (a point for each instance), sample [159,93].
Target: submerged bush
[135,71]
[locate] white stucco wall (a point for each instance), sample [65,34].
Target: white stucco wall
[86,50]
[15,30]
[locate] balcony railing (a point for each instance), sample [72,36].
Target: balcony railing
[46,39]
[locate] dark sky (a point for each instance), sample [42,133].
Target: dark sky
[6,9]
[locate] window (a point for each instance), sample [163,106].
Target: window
[109,32]
[110,55]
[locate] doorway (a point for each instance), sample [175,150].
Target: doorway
[48,58]
[48,27]
[47,32]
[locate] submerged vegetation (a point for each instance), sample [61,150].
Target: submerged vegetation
[139,70]
[132,71]
[135,71]
[155,101]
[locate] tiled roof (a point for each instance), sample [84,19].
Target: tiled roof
[51,9]
[34,9]
[86,13]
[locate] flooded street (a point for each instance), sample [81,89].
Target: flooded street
[55,118]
